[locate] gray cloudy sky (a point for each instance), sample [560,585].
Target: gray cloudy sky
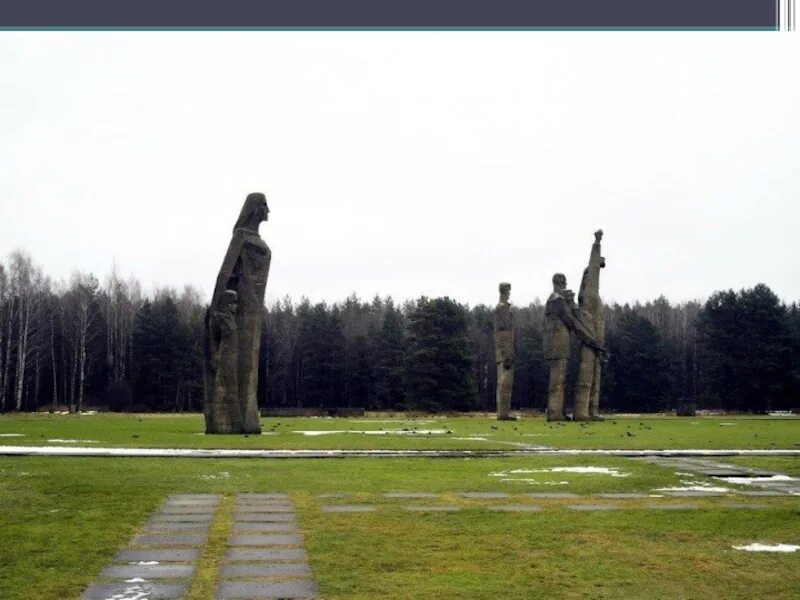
[408,163]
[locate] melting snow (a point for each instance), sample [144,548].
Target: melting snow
[145,563]
[220,475]
[12,435]
[376,431]
[612,471]
[60,441]
[756,480]
[768,547]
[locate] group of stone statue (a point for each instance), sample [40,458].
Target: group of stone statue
[563,319]
[233,334]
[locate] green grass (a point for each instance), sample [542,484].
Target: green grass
[63,519]
[185,431]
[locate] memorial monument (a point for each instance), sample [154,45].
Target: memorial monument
[504,353]
[233,326]
[587,396]
[559,321]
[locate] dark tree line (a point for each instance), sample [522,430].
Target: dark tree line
[87,343]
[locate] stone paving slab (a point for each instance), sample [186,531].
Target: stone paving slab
[303,588]
[251,554]
[188,527]
[624,495]
[253,527]
[286,539]
[334,495]
[757,493]
[515,508]
[206,504]
[136,591]
[167,539]
[171,509]
[483,495]
[432,508]
[552,495]
[347,508]
[161,555]
[411,495]
[266,518]
[262,508]
[671,506]
[745,505]
[148,571]
[178,518]
[592,507]
[266,569]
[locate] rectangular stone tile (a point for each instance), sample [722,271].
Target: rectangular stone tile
[266,518]
[266,569]
[188,510]
[691,493]
[745,505]
[757,493]
[516,508]
[593,507]
[141,590]
[334,495]
[263,496]
[247,510]
[483,495]
[169,539]
[432,508]
[177,518]
[161,555]
[198,527]
[250,554]
[347,508]
[148,571]
[304,588]
[207,504]
[411,495]
[286,539]
[252,527]
[554,495]
[671,506]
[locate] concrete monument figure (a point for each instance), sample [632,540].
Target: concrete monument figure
[504,353]
[233,326]
[587,396]
[559,321]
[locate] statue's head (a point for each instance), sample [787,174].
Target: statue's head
[254,211]
[505,291]
[228,302]
[559,282]
[602,262]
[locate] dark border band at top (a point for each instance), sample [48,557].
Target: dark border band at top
[390,14]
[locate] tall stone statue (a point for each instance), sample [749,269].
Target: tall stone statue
[587,397]
[504,353]
[233,326]
[559,321]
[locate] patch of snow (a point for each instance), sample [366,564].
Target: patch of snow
[60,441]
[474,438]
[220,475]
[12,435]
[146,563]
[755,547]
[375,432]
[696,487]
[781,413]
[684,474]
[756,480]
[612,471]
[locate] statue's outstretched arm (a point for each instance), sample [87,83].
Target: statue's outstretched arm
[577,326]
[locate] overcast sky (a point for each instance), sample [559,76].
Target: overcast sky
[408,163]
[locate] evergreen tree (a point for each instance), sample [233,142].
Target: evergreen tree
[389,353]
[439,361]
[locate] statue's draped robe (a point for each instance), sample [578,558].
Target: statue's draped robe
[244,270]
[504,355]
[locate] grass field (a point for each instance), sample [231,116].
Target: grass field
[468,432]
[63,519]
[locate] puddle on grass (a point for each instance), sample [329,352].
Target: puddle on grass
[755,547]
[376,432]
[61,441]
